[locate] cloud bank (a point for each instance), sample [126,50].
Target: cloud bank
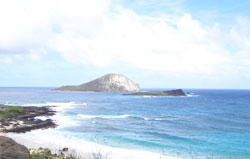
[100,34]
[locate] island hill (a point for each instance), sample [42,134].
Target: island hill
[108,83]
[118,83]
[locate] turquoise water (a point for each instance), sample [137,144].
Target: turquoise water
[210,122]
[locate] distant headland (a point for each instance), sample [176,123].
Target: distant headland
[107,83]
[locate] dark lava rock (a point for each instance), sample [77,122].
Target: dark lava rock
[25,119]
[9,149]
[176,92]
[37,125]
[65,149]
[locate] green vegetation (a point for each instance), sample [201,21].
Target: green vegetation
[45,153]
[49,155]
[7,111]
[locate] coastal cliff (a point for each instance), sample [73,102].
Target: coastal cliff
[107,83]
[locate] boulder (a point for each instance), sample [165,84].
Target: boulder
[9,149]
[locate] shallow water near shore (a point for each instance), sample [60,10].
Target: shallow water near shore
[209,122]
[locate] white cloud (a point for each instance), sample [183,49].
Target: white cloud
[127,38]
[92,33]
[5,59]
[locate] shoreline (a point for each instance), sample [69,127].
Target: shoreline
[54,142]
[43,136]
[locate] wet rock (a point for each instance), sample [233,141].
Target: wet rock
[37,125]
[25,119]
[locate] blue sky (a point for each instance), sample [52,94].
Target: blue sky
[157,43]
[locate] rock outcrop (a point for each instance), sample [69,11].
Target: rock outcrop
[176,92]
[22,119]
[107,83]
[9,149]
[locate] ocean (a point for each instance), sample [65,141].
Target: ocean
[214,123]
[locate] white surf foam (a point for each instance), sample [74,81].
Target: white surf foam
[118,117]
[57,106]
[55,140]
[42,117]
[147,96]
[103,116]
[159,119]
[59,118]
[192,95]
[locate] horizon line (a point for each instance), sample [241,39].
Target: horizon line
[140,88]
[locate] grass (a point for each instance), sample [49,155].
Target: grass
[60,155]
[46,153]
[50,156]
[7,111]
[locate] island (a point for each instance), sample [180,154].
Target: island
[108,83]
[175,92]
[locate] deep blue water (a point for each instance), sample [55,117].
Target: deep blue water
[212,122]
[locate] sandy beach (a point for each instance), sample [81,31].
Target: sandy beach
[53,141]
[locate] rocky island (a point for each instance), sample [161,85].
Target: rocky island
[176,92]
[22,119]
[107,83]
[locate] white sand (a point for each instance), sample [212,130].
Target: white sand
[52,139]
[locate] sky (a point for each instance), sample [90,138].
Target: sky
[156,43]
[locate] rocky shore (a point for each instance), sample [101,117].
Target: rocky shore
[19,119]
[10,149]
[22,119]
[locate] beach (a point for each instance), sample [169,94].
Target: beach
[39,134]
[49,138]
[84,148]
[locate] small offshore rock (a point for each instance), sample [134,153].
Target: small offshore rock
[65,149]
[175,92]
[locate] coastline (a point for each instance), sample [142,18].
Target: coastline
[54,142]
[21,119]
[51,138]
